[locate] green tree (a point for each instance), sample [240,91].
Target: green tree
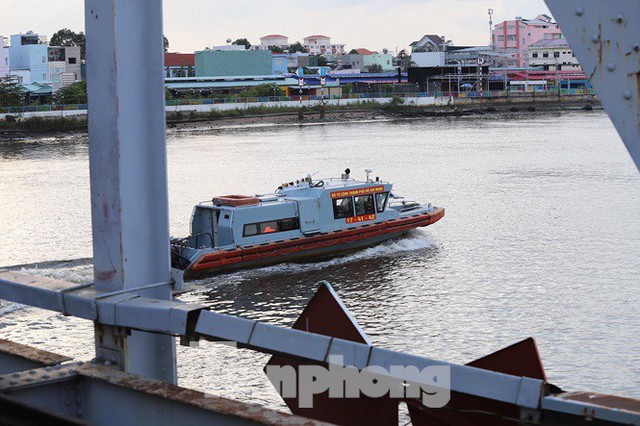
[322,61]
[297,47]
[374,68]
[262,90]
[66,37]
[276,49]
[10,92]
[353,52]
[165,44]
[244,42]
[75,93]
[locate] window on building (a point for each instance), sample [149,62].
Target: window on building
[522,40]
[342,207]
[364,205]
[381,201]
[511,38]
[556,54]
[72,60]
[534,55]
[500,38]
[545,55]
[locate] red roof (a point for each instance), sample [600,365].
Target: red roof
[363,51]
[273,36]
[179,59]
[318,36]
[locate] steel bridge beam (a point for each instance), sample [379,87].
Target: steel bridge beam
[127,154]
[605,36]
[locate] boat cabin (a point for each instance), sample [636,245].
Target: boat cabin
[296,209]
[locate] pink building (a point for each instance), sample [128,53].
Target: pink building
[514,37]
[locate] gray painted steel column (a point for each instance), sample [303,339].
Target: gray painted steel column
[127,150]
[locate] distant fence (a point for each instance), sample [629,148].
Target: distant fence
[307,98]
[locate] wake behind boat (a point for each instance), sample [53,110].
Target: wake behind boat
[305,219]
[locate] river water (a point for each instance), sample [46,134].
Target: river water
[541,238]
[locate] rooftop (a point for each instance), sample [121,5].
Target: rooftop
[274,36]
[551,42]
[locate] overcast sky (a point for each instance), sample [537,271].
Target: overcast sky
[193,24]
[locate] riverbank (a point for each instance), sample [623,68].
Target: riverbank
[262,115]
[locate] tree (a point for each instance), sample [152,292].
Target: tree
[244,42]
[297,47]
[75,93]
[165,43]
[374,68]
[276,49]
[322,61]
[353,52]
[10,92]
[262,90]
[66,37]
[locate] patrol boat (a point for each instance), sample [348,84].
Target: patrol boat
[302,220]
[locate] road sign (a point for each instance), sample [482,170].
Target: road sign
[323,71]
[300,72]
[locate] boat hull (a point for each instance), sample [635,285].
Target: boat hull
[315,246]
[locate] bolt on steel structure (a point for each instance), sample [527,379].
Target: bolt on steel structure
[136,320]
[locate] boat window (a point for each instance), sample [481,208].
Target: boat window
[364,204]
[342,207]
[251,229]
[289,224]
[268,227]
[381,201]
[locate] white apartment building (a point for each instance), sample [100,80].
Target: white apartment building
[276,40]
[321,45]
[552,54]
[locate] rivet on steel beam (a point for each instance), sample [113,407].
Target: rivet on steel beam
[627,94]
[13,383]
[579,11]
[619,19]
[636,47]
[594,38]
[45,376]
[32,372]
[611,66]
[16,374]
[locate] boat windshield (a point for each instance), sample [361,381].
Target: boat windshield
[364,204]
[381,201]
[342,207]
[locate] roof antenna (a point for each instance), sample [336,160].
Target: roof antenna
[368,172]
[346,173]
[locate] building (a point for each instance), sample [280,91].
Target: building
[64,65]
[273,40]
[367,63]
[279,64]
[514,37]
[429,43]
[213,63]
[5,67]
[321,45]
[179,65]
[29,53]
[552,54]
[226,84]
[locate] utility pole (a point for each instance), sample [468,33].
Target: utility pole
[300,73]
[490,29]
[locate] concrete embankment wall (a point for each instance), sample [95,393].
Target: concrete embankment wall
[417,101]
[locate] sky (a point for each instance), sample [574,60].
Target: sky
[192,25]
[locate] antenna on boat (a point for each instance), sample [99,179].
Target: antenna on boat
[368,172]
[346,173]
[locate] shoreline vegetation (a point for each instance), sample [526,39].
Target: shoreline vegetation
[16,126]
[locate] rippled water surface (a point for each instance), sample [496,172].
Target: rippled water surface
[541,238]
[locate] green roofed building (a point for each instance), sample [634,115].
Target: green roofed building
[215,63]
